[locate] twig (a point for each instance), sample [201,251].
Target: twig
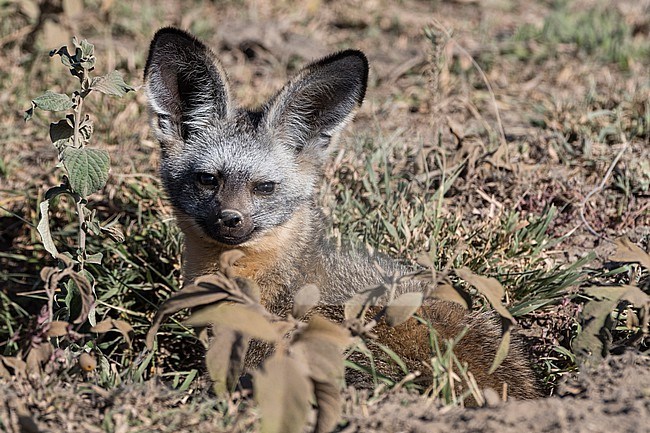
[600,188]
[121,309]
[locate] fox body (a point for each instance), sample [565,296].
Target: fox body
[247,179]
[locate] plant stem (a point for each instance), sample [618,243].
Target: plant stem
[77,121]
[77,143]
[82,234]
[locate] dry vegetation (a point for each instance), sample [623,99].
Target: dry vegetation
[508,138]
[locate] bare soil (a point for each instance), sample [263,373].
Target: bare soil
[615,396]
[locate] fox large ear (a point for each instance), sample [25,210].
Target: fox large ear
[310,111]
[185,84]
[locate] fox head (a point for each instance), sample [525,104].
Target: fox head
[235,173]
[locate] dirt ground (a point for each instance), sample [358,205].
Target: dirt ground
[613,397]
[554,111]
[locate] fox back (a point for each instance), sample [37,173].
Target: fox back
[247,179]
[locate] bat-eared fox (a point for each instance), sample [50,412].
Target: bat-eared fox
[247,179]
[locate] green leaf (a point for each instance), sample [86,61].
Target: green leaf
[43,228]
[95,258]
[111,84]
[87,169]
[52,101]
[393,356]
[93,227]
[84,53]
[188,380]
[87,49]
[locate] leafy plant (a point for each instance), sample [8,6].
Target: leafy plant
[306,364]
[307,360]
[85,172]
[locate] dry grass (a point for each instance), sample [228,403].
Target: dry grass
[529,196]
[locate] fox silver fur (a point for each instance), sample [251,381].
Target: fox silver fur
[247,179]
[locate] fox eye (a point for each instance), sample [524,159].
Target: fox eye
[207,179]
[264,188]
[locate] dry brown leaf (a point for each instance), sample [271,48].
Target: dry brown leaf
[52,276]
[242,318]
[588,342]
[357,304]
[38,355]
[626,251]
[328,399]
[220,357]
[633,294]
[227,260]
[4,373]
[188,297]
[217,359]
[282,391]
[402,308]
[488,287]
[306,298]
[47,272]
[86,291]
[320,346]
[447,292]
[58,328]
[636,296]
[503,348]
[102,327]
[324,359]
[250,288]
[125,329]
[16,364]
[218,283]
[320,327]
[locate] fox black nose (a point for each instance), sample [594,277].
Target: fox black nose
[231,218]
